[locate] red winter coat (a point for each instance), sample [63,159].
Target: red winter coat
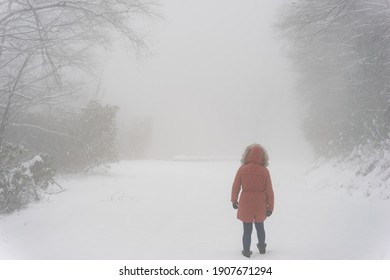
[253,181]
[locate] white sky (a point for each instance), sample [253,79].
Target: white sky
[216,81]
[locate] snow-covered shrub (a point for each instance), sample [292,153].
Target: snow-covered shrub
[364,173]
[21,181]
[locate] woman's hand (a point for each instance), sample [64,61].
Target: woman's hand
[235,205]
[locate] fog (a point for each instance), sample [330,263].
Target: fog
[215,80]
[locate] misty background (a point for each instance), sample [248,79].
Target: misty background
[85,84]
[214,81]
[91,88]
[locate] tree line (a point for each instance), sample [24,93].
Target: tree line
[341,52]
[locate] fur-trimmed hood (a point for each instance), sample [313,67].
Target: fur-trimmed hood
[255,153]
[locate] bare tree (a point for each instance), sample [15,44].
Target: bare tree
[45,44]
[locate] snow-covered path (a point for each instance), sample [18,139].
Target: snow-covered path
[181,210]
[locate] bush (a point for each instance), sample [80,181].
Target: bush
[21,181]
[76,139]
[364,173]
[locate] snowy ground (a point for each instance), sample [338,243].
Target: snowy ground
[181,210]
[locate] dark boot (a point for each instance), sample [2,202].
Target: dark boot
[261,248]
[247,253]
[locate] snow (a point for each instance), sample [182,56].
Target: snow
[181,210]
[363,175]
[30,163]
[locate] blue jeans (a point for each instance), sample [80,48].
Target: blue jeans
[246,238]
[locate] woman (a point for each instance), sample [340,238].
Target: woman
[256,203]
